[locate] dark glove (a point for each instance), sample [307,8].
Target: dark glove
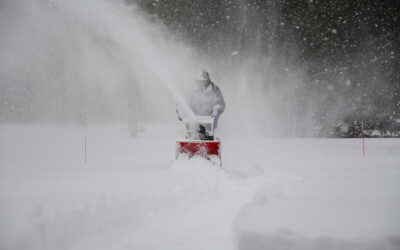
[177,112]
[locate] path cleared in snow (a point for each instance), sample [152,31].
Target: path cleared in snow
[271,193]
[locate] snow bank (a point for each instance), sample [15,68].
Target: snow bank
[271,194]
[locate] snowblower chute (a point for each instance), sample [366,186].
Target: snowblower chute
[200,140]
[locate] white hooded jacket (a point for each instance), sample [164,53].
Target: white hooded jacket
[207,100]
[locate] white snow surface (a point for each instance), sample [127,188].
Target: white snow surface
[132,194]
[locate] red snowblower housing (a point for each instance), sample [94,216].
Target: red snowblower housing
[200,140]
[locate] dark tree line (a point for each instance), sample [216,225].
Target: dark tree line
[348,51]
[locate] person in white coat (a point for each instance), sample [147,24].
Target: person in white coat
[206,99]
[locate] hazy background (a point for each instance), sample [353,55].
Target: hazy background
[286,68]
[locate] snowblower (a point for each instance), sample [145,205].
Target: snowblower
[200,140]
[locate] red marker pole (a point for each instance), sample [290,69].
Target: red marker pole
[362,132]
[85,138]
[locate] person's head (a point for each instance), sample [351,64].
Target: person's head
[203,79]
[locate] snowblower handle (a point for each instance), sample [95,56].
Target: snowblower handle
[200,127]
[208,122]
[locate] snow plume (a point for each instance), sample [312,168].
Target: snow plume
[66,60]
[110,61]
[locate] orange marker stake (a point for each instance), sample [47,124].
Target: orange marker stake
[85,138]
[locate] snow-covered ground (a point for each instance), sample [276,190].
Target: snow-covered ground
[271,193]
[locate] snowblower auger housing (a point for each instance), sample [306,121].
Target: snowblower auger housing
[200,140]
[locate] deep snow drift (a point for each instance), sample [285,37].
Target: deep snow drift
[271,193]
